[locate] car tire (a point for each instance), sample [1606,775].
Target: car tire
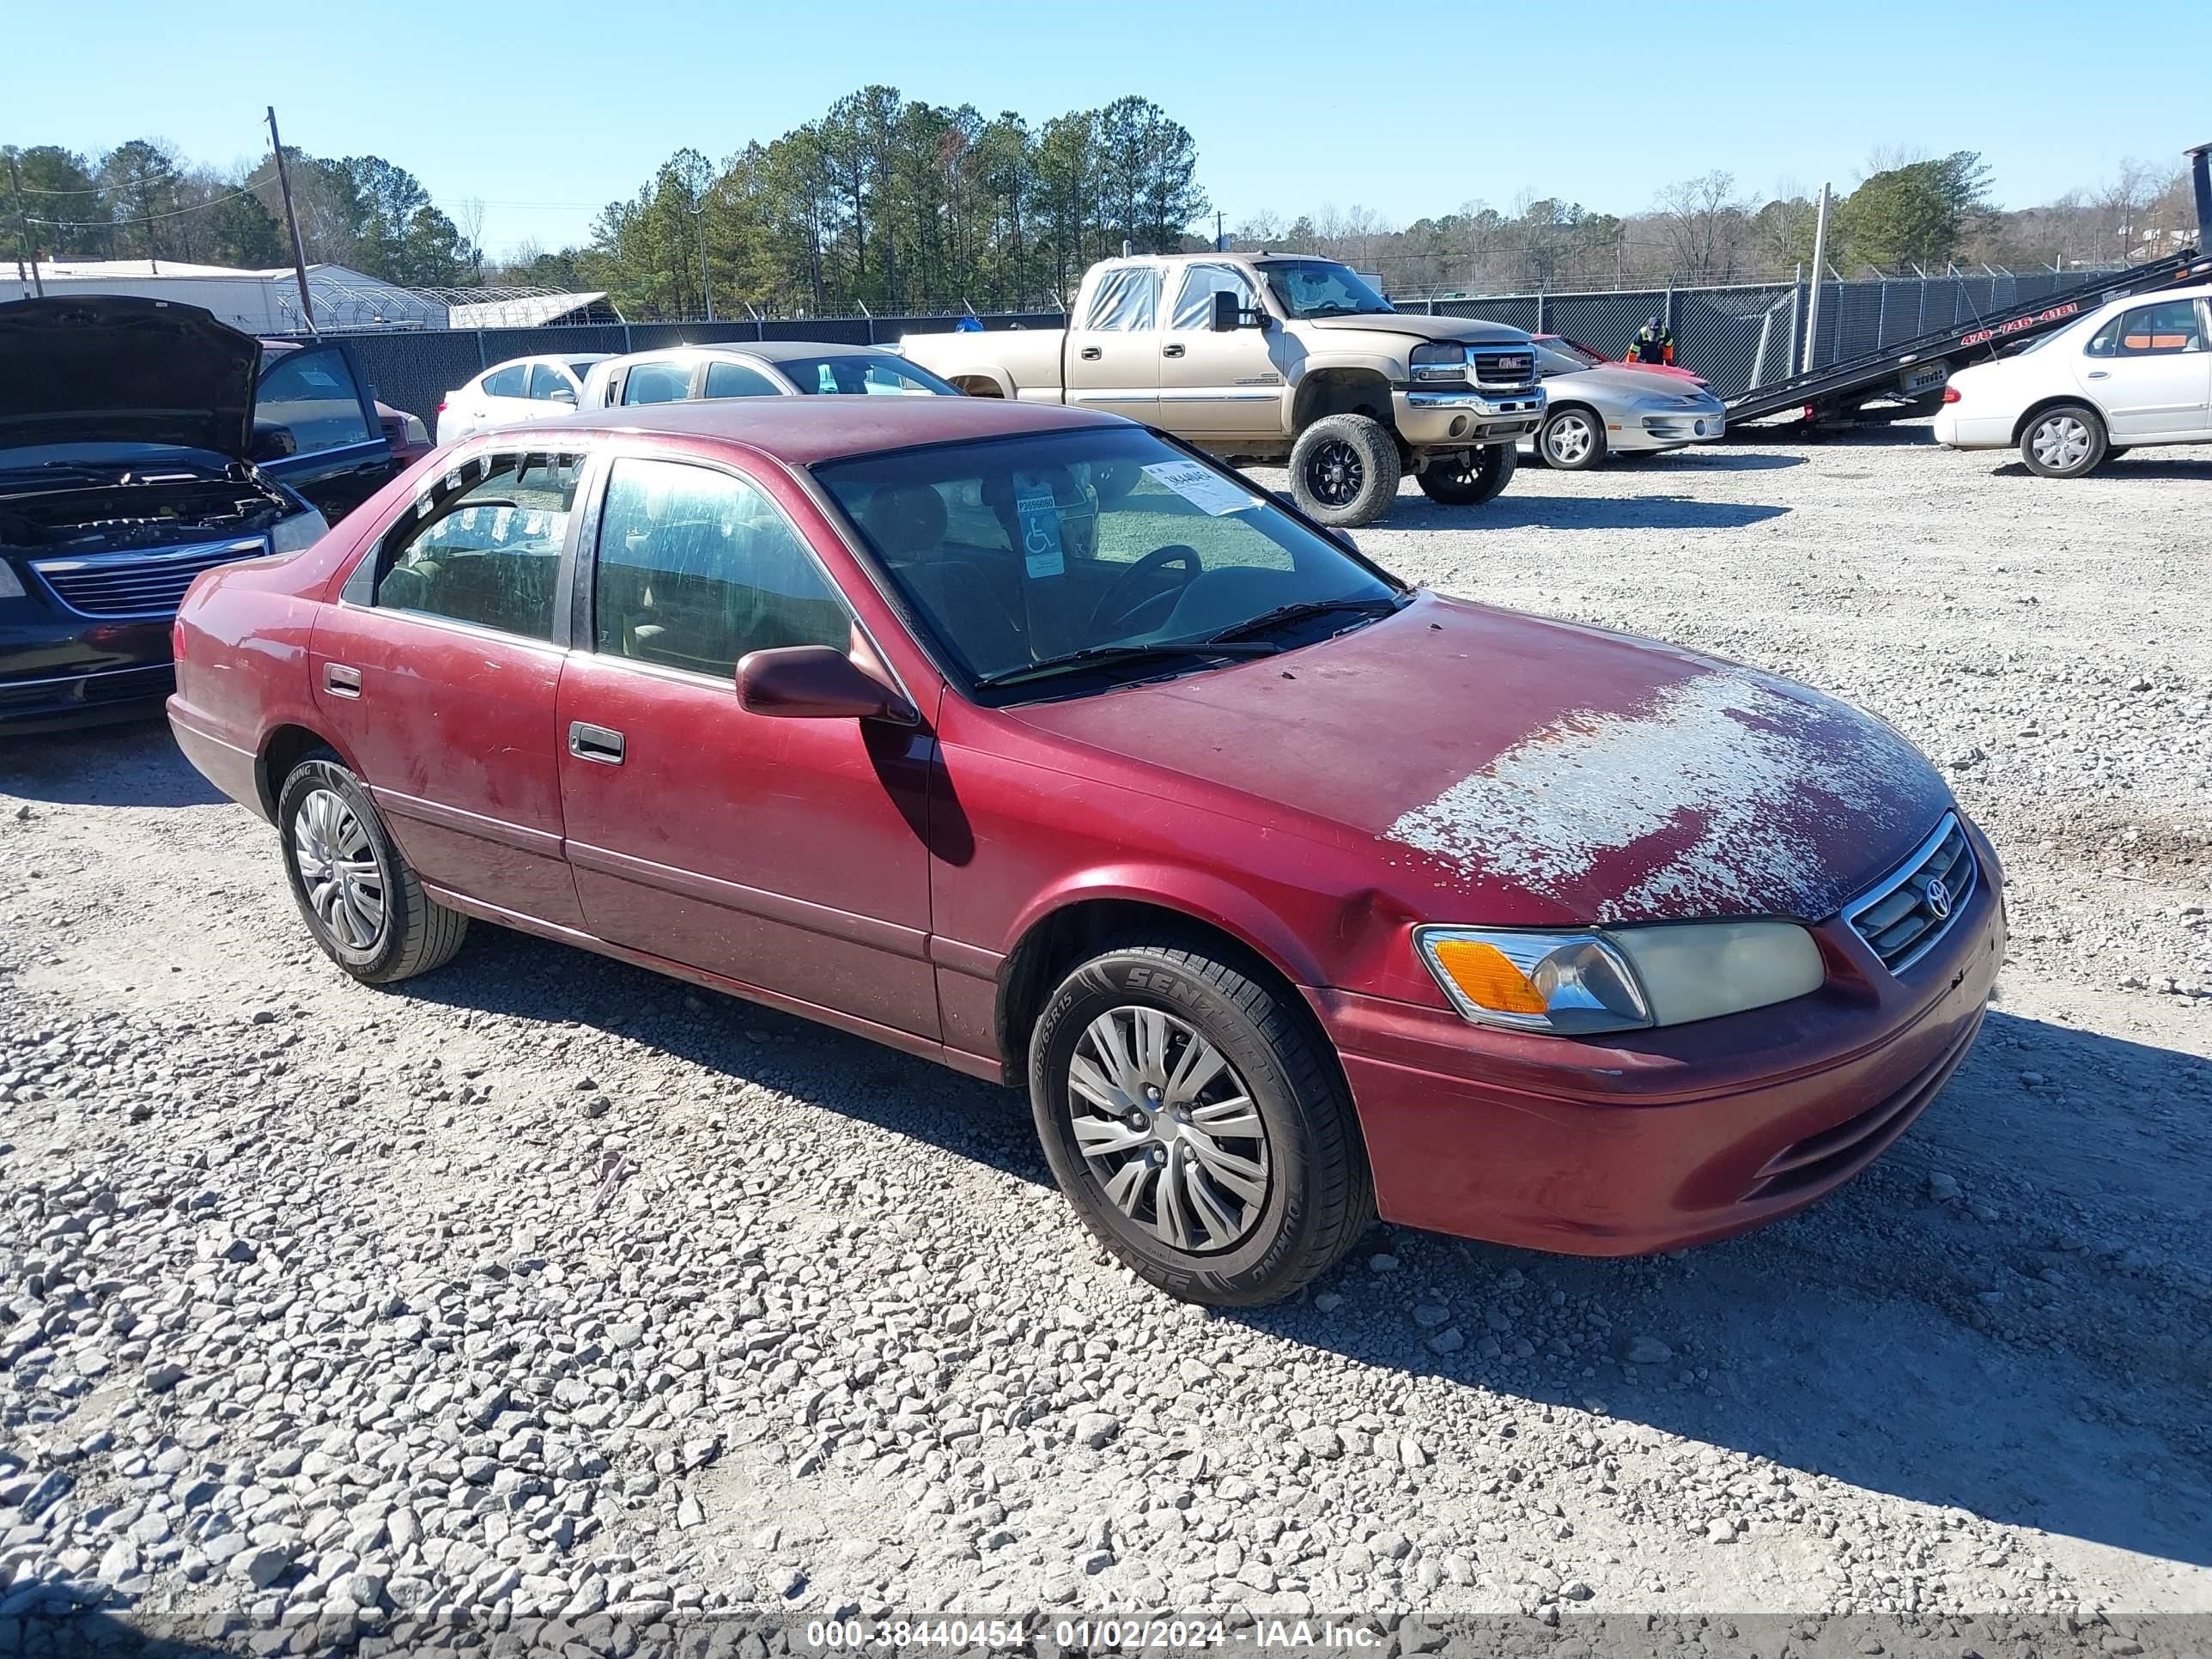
[1245,1238]
[1344,470]
[2063,441]
[1571,439]
[354,888]
[1457,484]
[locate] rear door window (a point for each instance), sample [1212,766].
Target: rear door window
[657,383]
[726,380]
[1127,297]
[313,396]
[485,548]
[513,381]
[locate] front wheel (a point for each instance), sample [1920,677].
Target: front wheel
[1471,479]
[1198,1124]
[2063,442]
[1344,470]
[1571,439]
[360,897]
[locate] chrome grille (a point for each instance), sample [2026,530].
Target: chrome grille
[1502,365]
[1903,917]
[139,584]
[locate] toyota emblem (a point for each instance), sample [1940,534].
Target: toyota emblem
[1939,898]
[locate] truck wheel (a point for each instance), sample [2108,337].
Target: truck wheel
[1469,480]
[1572,439]
[1344,470]
[1198,1124]
[2063,442]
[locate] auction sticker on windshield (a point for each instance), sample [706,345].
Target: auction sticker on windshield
[1204,488]
[1042,552]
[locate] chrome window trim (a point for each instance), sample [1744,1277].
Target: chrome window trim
[1903,876]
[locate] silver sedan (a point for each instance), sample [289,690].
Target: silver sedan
[1595,412]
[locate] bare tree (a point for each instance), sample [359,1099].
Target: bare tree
[1704,223]
[469,220]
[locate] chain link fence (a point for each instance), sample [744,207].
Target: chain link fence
[1739,336]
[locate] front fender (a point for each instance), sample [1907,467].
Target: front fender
[1202,896]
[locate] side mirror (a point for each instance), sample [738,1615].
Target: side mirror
[1228,315]
[813,683]
[565,396]
[273,442]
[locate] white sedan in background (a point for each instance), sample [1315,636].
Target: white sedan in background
[1620,408]
[515,392]
[2134,371]
[757,368]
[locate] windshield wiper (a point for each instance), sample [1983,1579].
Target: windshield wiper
[1380,606]
[1092,655]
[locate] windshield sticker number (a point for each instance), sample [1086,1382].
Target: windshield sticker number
[1043,553]
[1204,488]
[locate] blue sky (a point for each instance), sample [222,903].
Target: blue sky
[547,110]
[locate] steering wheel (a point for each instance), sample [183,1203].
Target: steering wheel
[1115,608]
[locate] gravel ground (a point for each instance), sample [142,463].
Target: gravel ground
[546,1289]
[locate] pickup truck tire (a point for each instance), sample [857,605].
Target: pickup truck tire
[1571,439]
[1197,1121]
[1470,483]
[1344,470]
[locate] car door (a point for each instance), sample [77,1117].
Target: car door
[1226,382]
[315,427]
[1113,353]
[2150,370]
[785,854]
[503,398]
[436,674]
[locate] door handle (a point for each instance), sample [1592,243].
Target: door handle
[2101,375]
[340,681]
[1171,351]
[1089,354]
[595,742]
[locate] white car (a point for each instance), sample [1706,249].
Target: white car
[1596,408]
[763,368]
[2134,371]
[515,392]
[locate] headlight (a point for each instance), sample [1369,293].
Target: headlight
[1440,361]
[1579,984]
[11,585]
[301,531]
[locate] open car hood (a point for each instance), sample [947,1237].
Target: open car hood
[118,368]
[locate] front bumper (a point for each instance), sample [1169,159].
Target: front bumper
[60,673]
[1668,429]
[1656,1139]
[1447,416]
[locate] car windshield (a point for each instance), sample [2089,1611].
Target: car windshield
[1072,557]
[1320,288]
[885,376]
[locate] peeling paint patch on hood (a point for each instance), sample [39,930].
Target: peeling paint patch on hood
[1728,795]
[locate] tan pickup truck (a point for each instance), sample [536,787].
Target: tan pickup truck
[1267,358]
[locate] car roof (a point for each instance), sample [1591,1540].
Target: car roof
[767,351]
[800,431]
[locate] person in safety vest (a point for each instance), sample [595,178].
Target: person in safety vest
[1654,344]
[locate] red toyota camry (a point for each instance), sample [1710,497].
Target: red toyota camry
[1022,739]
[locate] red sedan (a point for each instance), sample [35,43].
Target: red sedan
[1024,740]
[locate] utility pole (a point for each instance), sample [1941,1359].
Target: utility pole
[292,220]
[1819,257]
[706,288]
[25,246]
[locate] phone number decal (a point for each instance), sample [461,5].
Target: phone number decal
[1982,334]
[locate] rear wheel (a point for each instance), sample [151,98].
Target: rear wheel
[1344,470]
[1471,478]
[2063,442]
[1572,439]
[355,889]
[1198,1124]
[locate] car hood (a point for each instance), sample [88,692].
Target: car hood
[1621,384]
[1513,770]
[116,369]
[1420,328]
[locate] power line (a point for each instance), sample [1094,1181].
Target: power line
[146,218]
